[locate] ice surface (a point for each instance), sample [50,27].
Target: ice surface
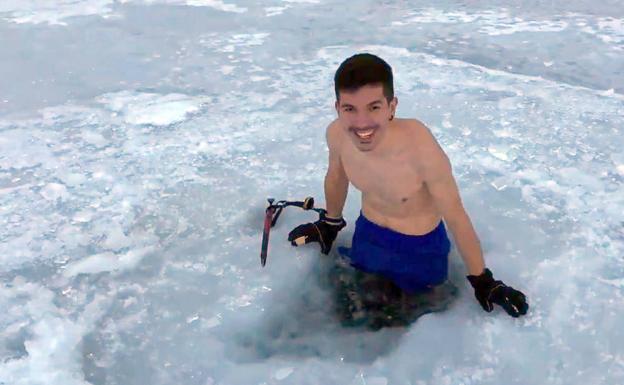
[140,139]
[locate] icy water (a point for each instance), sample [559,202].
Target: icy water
[140,139]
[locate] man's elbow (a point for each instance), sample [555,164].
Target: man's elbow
[456,215]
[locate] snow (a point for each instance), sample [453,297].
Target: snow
[140,139]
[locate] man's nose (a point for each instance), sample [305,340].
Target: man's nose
[363,120]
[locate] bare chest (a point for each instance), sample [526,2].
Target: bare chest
[394,183]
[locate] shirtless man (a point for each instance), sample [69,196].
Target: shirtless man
[407,189]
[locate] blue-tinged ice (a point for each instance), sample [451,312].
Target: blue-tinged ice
[139,140]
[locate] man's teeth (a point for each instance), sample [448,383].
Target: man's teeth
[365,134]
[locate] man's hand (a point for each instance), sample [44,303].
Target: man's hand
[489,292]
[324,231]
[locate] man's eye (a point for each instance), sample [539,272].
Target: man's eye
[349,109]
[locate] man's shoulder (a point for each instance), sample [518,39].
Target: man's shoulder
[429,154]
[334,125]
[423,137]
[334,136]
[417,126]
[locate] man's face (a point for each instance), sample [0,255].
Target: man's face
[366,115]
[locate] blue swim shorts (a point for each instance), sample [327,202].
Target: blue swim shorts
[413,262]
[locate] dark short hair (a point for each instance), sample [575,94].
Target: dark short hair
[362,69]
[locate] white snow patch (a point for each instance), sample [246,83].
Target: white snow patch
[150,108]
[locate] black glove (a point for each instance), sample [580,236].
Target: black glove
[489,291]
[323,231]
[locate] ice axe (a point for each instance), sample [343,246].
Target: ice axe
[273,212]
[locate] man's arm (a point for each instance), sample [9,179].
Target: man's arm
[336,181]
[438,178]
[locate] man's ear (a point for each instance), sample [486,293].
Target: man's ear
[393,106]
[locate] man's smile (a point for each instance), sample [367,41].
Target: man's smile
[367,134]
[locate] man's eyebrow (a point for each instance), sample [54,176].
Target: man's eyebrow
[371,103]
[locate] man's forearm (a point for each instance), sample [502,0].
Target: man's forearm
[335,196]
[468,244]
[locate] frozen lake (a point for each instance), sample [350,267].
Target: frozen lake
[139,140]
